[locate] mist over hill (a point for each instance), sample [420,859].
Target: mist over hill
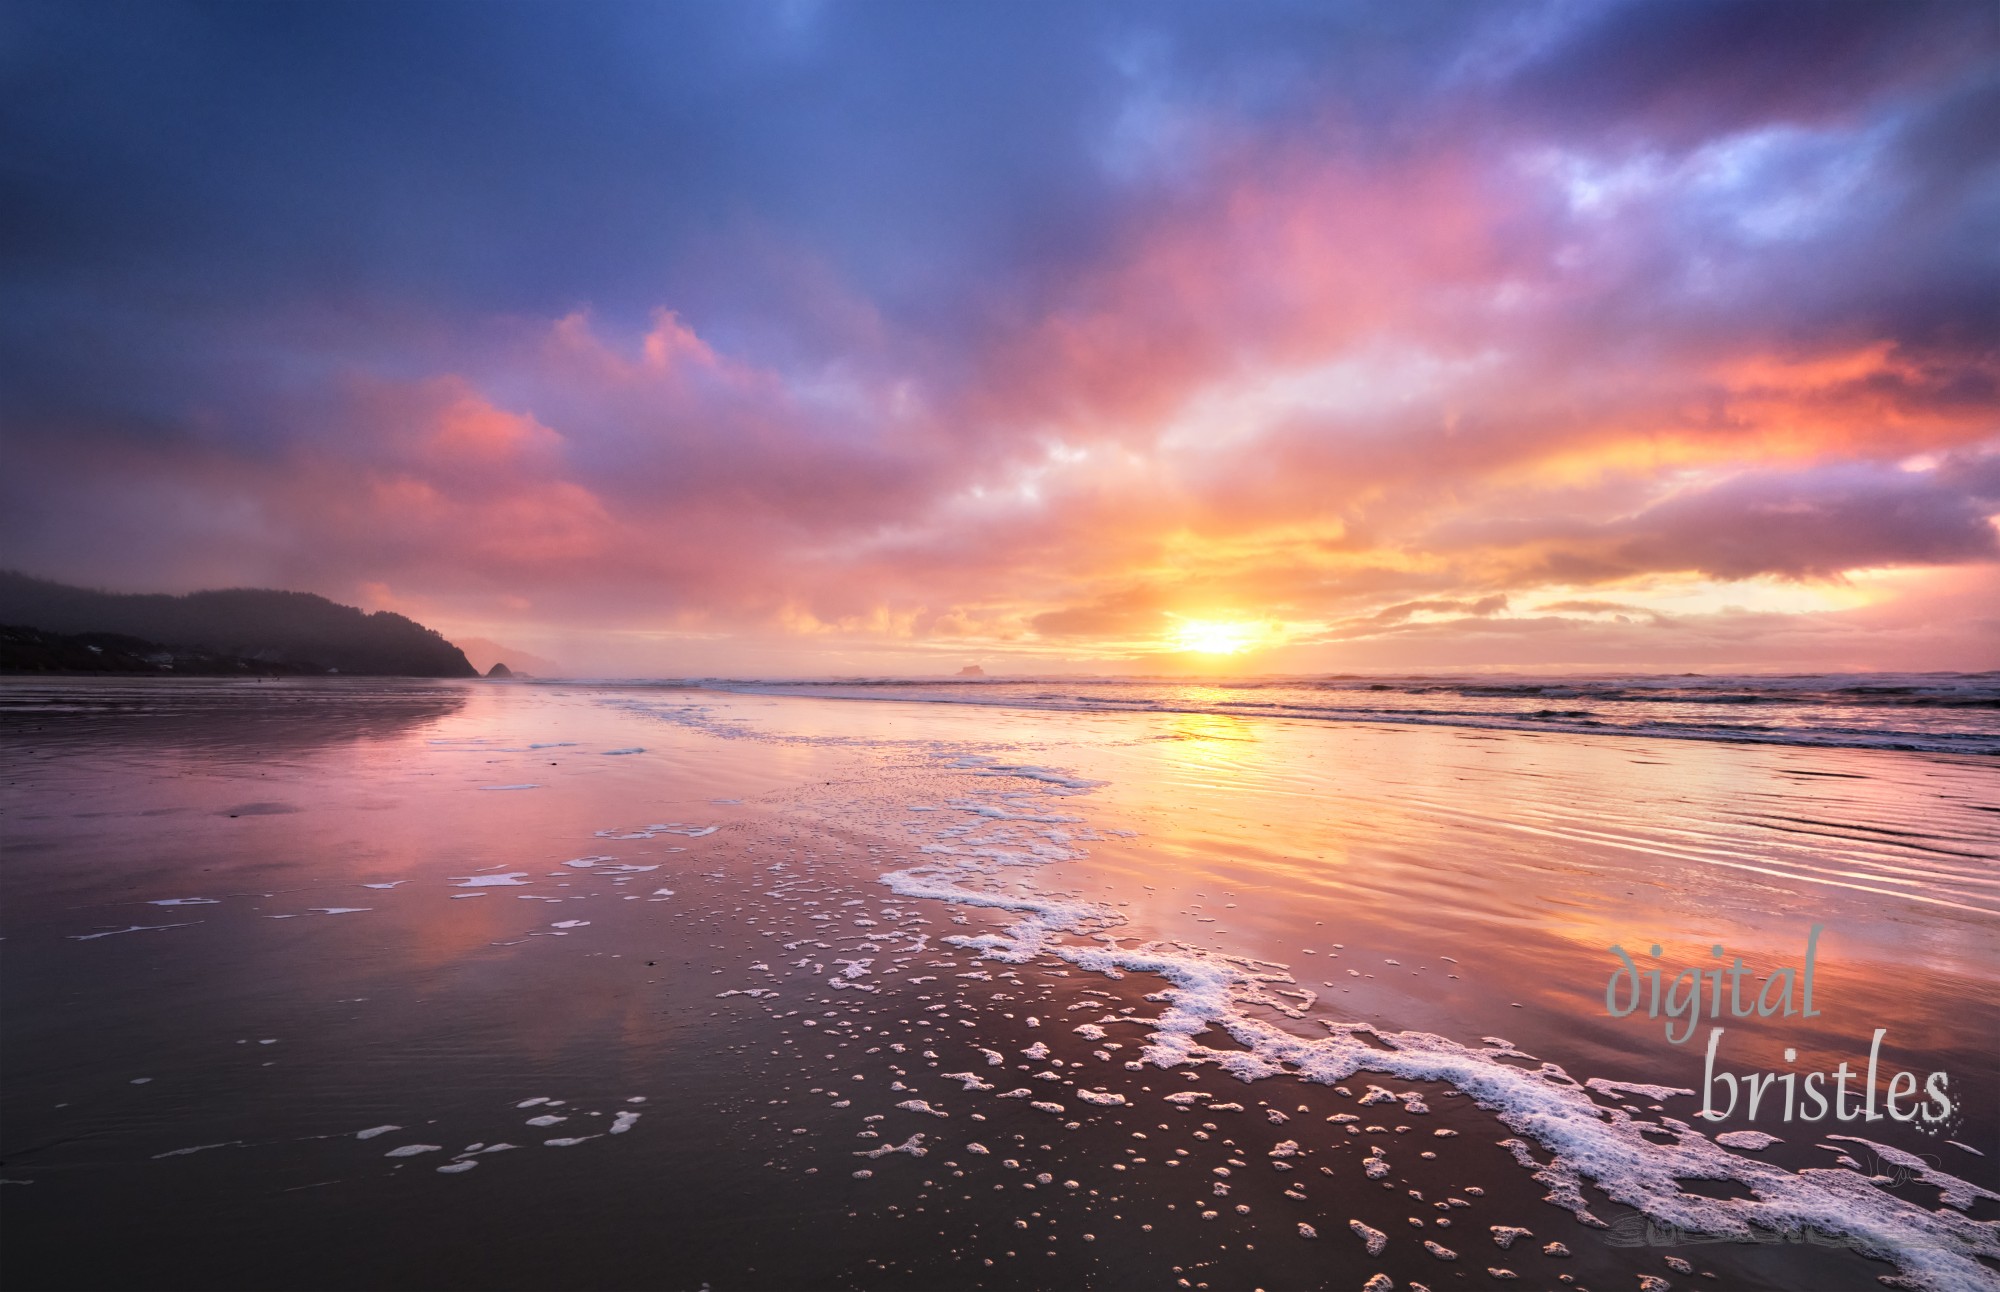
[286,630]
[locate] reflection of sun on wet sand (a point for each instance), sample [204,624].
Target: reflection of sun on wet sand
[998,996]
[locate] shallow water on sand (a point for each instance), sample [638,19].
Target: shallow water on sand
[246,924]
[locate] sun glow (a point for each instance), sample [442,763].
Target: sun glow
[1217,636]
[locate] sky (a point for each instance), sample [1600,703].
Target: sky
[806,338]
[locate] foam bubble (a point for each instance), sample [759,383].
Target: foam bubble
[136,928]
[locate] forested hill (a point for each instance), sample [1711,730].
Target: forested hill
[295,630]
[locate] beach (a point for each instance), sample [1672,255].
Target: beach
[328,984]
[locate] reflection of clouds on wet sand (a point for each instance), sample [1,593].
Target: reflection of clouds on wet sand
[1218,1000]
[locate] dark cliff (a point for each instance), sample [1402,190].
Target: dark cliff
[285,631]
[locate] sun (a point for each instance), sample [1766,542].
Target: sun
[1216,636]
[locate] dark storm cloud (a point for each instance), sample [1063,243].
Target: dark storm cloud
[1683,72]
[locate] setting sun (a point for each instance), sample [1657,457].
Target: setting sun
[1217,636]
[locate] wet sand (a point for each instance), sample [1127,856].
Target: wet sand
[698,932]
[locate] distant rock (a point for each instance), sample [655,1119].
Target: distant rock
[239,630]
[484,653]
[972,670]
[499,670]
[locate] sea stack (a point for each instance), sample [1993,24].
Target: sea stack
[499,670]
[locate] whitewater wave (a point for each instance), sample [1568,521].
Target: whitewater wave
[1956,713]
